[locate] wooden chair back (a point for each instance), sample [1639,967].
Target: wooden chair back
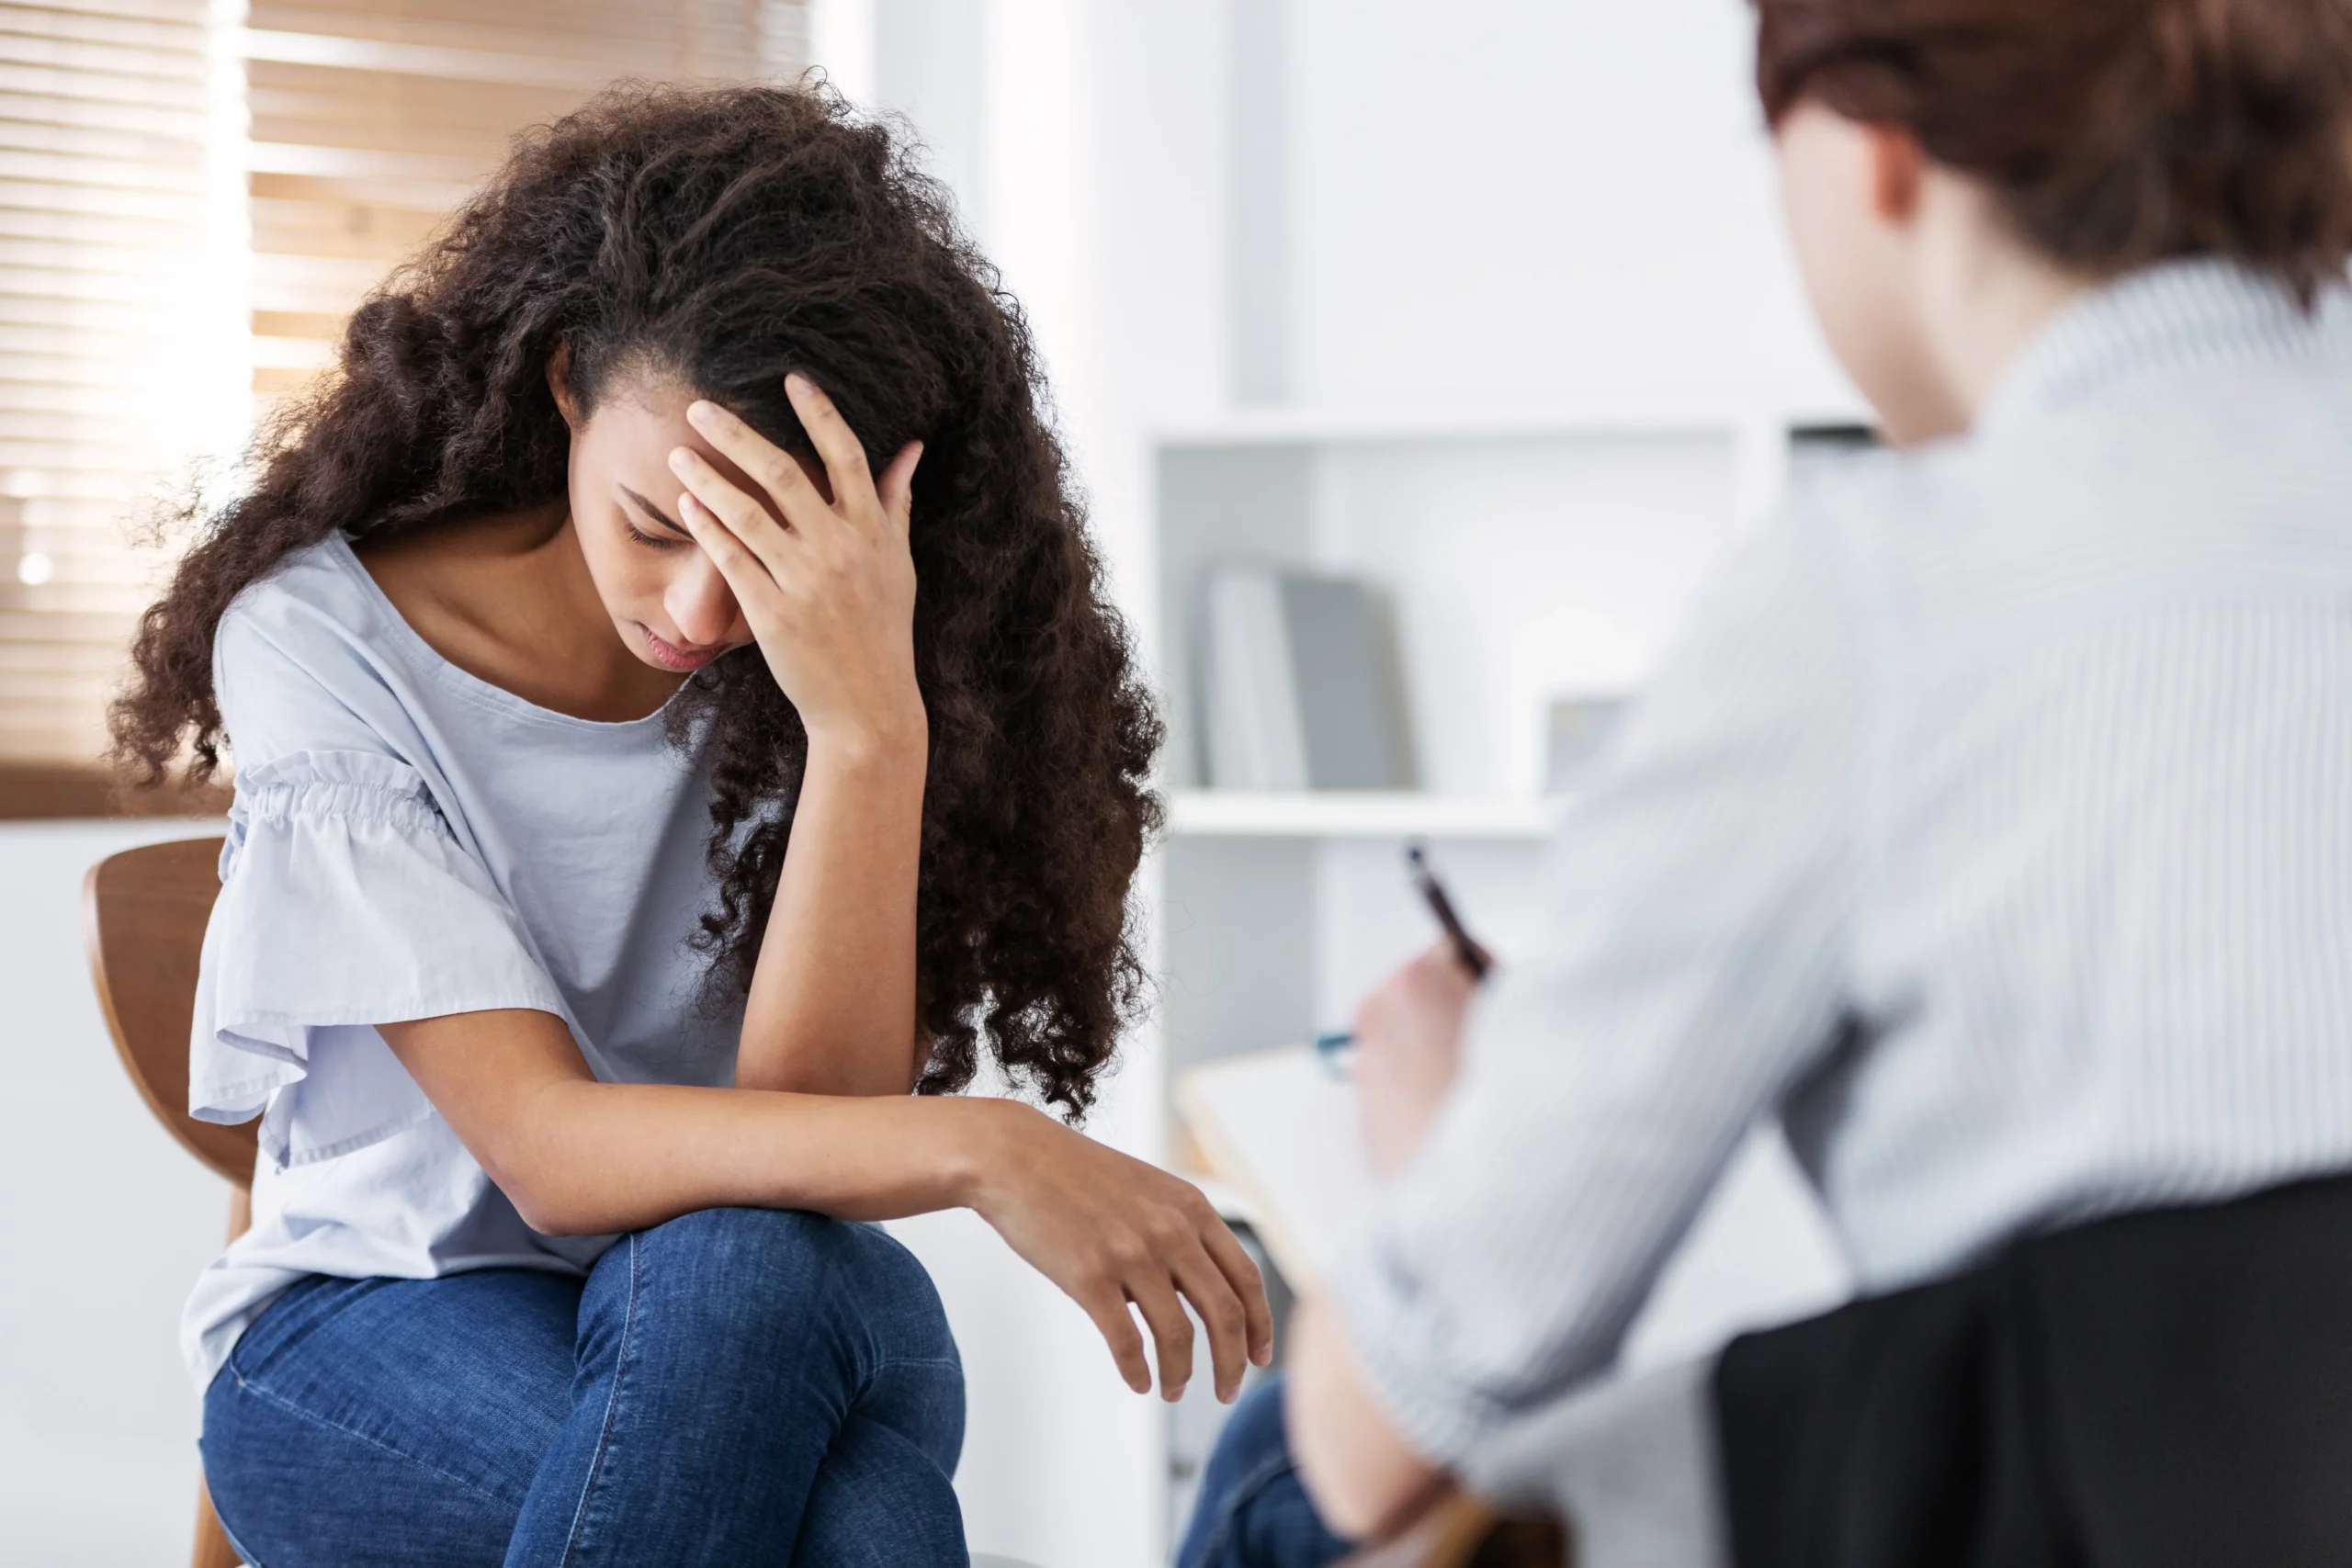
[1457,1530]
[143,914]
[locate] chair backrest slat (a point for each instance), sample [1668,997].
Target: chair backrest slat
[144,913]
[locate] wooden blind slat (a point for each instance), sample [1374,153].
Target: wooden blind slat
[101,201]
[636,38]
[168,148]
[71,57]
[18,75]
[173,11]
[34,106]
[51,25]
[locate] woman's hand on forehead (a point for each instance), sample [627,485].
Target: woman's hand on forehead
[826,583]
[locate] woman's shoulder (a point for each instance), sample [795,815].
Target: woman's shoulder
[316,593]
[301,653]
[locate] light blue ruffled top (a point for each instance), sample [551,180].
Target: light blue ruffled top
[408,841]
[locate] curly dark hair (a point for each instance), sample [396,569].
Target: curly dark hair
[724,237]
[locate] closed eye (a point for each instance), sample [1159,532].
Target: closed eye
[674,532]
[650,541]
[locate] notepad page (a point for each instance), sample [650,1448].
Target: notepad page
[1282,1127]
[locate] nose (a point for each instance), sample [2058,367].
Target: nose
[700,604]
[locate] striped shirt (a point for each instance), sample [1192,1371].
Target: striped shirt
[1990,824]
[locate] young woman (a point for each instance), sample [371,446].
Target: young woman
[1989,827]
[677,730]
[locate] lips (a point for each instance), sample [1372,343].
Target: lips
[672,657]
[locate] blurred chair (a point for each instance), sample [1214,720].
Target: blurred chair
[1457,1530]
[144,913]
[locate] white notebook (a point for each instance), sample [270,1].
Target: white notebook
[1280,1127]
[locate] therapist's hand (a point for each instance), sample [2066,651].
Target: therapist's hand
[1409,1047]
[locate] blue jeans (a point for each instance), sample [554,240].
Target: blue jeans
[1252,1512]
[740,1388]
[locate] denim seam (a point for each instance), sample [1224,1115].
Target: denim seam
[1244,1492]
[245,1559]
[314,1419]
[612,1414]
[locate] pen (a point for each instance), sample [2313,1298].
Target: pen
[1466,949]
[1472,957]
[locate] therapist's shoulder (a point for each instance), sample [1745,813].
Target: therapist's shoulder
[1838,520]
[1862,498]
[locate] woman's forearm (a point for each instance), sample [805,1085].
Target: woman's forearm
[581,1157]
[832,1009]
[592,1158]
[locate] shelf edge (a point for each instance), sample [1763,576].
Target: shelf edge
[1206,814]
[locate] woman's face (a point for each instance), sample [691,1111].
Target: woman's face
[666,597]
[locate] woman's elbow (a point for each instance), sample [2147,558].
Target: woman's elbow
[552,1218]
[538,1205]
[546,1198]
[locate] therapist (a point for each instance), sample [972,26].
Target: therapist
[1991,825]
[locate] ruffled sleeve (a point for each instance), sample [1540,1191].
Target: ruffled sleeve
[345,902]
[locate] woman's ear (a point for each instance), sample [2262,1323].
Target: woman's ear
[1898,172]
[560,383]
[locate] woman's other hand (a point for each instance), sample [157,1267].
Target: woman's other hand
[825,582]
[1114,1232]
[1409,1047]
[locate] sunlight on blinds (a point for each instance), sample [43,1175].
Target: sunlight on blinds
[121,345]
[372,120]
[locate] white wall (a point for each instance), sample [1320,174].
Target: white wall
[107,1223]
[1504,200]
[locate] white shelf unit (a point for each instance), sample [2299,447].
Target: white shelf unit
[1519,552]
[1235,814]
[1623,415]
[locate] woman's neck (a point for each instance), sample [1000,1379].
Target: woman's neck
[507,598]
[1983,294]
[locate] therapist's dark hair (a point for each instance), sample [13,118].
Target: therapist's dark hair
[722,237]
[2116,133]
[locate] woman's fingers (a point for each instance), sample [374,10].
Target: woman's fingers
[769,465]
[1107,1305]
[844,453]
[896,489]
[747,573]
[720,497]
[1172,1330]
[1123,1238]
[1218,1306]
[1249,1286]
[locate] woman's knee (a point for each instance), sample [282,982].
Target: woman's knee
[788,1269]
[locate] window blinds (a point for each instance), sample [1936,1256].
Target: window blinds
[110,295]
[188,209]
[372,120]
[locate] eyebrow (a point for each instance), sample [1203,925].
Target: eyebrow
[655,513]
